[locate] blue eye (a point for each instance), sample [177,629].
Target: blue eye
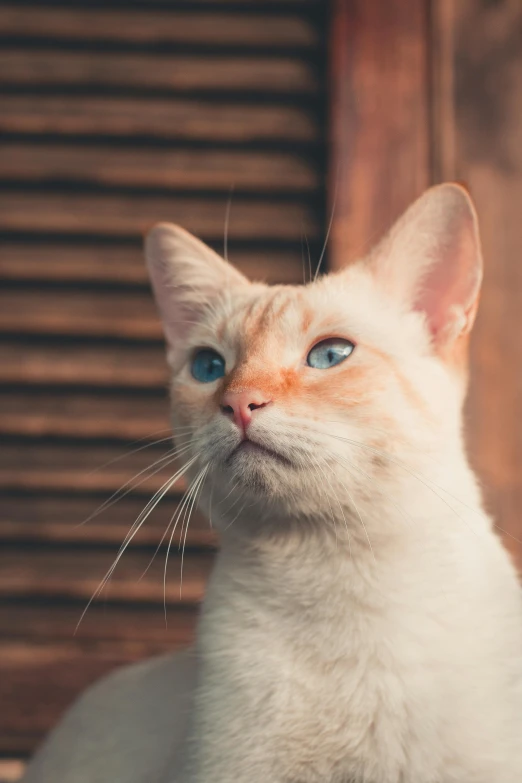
[330,352]
[207,366]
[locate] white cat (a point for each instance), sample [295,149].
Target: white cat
[363,623]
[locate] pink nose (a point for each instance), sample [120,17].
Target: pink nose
[240,406]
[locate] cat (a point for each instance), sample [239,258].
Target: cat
[363,622]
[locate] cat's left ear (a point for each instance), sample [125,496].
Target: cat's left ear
[186,276]
[431,260]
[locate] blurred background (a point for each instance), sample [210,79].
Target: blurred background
[114,115]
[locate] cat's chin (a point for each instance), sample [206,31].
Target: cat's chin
[249,450]
[258,467]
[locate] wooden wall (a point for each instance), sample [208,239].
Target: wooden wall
[115,115]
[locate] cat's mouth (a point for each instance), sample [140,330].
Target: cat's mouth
[249,448]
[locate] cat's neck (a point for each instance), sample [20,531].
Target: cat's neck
[421,499]
[358,552]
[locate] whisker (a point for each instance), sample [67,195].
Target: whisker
[163,490]
[183,506]
[368,426]
[304,241]
[194,499]
[350,467]
[153,502]
[177,511]
[234,502]
[352,500]
[227,223]
[330,223]
[210,502]
[344,518]
[507,533]
[413,473]
[180,542]
[422,479]
[182,510]
[419,478]
[228,495]
[302,256]
[134,451]
[403,513]
[344,463]
[309,258]
[166,460]
[326,496]
[238,513]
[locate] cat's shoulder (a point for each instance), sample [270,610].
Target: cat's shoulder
[124,727]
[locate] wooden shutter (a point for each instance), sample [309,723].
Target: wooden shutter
[114,116]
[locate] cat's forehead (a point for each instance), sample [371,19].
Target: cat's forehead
[266,314]
[275,308]
[262,317]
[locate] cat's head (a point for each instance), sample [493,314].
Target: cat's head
[301,398]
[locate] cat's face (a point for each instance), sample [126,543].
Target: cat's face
[301,398]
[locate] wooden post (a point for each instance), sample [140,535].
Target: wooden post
[379,119]
[487,61]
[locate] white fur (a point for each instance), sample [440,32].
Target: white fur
[363,623]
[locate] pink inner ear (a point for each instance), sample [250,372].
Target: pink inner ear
[449,290]
[186,275]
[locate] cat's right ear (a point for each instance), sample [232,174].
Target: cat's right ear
[186,275]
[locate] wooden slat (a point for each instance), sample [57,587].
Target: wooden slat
[11,770]
[124,416]
[126,264]
[294,5]
[59,518]
[488,115]
[281,75]
[42,467]
[125,624]
[379,158]
[109,314]
[182,168]
[130,216]
[73,262]
[193,120]
[157,27]
[302,4]
[66,365]
[77,573]
[43,666]
[37,683]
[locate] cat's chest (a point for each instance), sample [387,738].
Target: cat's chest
[321,691]
[343,683]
